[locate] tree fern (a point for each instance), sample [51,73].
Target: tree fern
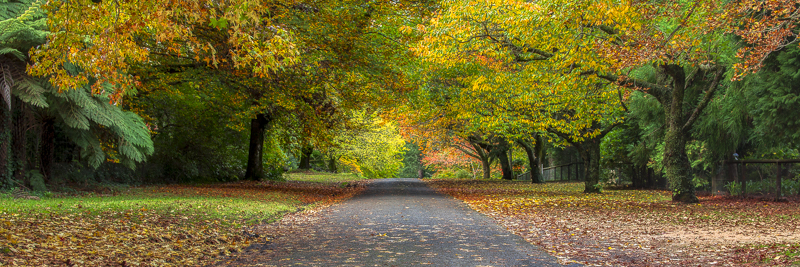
[88,120]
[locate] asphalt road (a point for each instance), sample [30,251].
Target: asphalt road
[402,222]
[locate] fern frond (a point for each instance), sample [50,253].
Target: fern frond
[14,52]
[30,91]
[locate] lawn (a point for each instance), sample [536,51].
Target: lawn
[322,177]
[637,227]
[176,225]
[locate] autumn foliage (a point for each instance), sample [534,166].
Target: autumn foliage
[177,225]
[637,227]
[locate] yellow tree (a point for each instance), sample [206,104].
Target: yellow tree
[518,92]
[677,51]
[277,59]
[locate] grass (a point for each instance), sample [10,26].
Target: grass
[243,210]
[322,177]
[157,225]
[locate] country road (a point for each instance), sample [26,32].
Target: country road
[399,222]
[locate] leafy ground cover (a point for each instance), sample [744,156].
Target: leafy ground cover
[637,227]
[174,225]
[322,177]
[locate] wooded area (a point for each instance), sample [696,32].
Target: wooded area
[192,90]
[170,124]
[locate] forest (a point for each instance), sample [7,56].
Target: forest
[100,93]
[696,98]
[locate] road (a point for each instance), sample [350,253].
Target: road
[399,222]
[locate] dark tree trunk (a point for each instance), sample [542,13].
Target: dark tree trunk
[6,168]
[534,160]
[487,169]
[255,156]
[538,149]
[639,175]
[305,158]
[20,141]
[678,168]
[505,164]
[679,123]
[332,164]
[482,154]
[590,153]
[48,145]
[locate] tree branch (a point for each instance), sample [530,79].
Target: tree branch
[706,99]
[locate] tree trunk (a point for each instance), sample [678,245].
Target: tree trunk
[590,153]
[482,155]
[48,145]
[255,155]
[638,176]
[678,168]
[332,164]
[505,165]
[305,158]
[538,149]
[533,161]
[487,169]
[20,141]
[6,168]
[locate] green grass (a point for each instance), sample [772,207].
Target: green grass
[184,225]
[322,177]
[247,207]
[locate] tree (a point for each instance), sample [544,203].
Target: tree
[376,152]
[88,119]
[678,52]
[280,62]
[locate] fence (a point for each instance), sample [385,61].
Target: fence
[758,178]
[566,172]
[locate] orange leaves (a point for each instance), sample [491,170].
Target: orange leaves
[151,226]
[766,26]
[103,40]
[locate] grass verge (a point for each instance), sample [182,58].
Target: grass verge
[176,225]
[637,227]
[322,177]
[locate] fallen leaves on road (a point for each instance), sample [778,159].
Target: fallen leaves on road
[637,227]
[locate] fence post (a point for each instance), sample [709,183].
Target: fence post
[744,179]
[569,172]
[778,184]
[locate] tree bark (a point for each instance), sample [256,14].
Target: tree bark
[678,168]
[6,168]
[483,156]
[487,169]
[305,158]
[47,152]
[538,149]
[534,161]
[332,164]
[255,155]
[20,141]
[505,164]
[590,153]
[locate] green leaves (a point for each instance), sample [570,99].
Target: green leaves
[220,23]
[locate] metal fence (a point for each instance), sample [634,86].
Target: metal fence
[567,172]
[758,178]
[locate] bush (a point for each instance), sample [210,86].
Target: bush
[462,174]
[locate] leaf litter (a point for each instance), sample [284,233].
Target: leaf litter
[637,227]
[174,225]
